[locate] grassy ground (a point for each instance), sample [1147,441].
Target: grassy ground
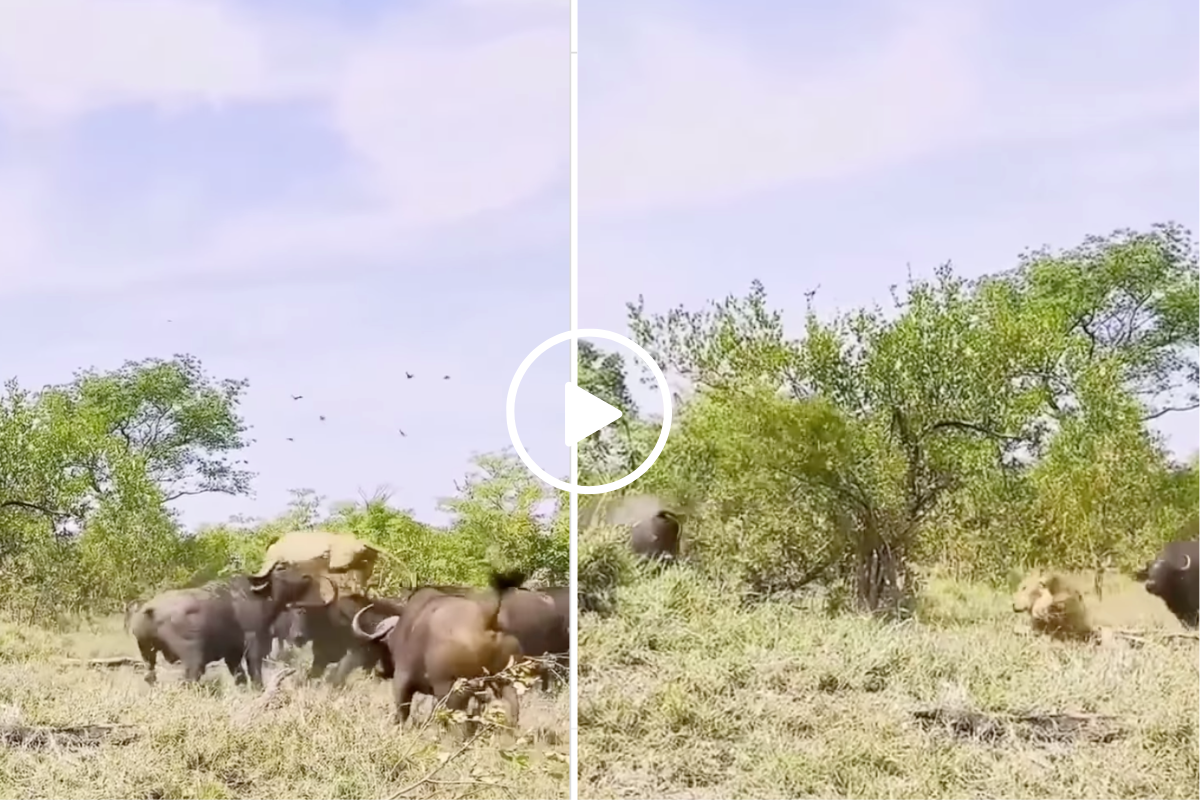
[221,741]
[686,694]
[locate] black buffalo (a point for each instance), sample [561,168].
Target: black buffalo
[227,620]
[657,536]
[1174,576]
[331,632]
[439,638]
[290,629]
[540,619]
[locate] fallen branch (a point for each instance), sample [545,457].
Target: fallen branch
[415,784]
[1055,726]
[1145,637]
[110,662]
[491,784]
[73,735]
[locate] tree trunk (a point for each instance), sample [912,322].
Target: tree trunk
[880,577]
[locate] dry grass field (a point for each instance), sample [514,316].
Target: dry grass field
[73,731]
[685,693]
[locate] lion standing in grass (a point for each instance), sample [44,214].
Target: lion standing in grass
[1055,608]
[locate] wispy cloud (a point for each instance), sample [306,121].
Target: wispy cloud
[442,112]
[700,112]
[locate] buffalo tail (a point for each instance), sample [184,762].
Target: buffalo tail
[503,581]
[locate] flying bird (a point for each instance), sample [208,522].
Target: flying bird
[290,439]
[445,377]
[402,433]
[297,397]
[322,418]
[408,374]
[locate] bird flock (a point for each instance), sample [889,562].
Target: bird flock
[322,417]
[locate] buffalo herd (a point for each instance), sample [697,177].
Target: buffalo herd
[428,637]
[424,640]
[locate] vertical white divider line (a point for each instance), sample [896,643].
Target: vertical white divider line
[574,256]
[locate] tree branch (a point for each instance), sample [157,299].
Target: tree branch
[31,507]
[970,427]
[1162,412]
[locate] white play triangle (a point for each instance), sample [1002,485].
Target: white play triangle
[586,414]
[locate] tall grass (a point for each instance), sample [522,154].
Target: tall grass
[687,693]
[217,740]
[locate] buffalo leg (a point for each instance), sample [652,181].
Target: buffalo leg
[456,700]
[234,662]
[254,658]
[563,661]
[355,658]
[193,667]
[402,688]
[512,704]
[150,656]
[189,651]
[323,656]
[460,700]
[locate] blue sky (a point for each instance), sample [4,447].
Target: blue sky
[837,145]
[316,196]
[320,195]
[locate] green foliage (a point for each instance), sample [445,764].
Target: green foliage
[511,519]
[975,425]
[605,565]
[182,424]
[612,451]
[87,471]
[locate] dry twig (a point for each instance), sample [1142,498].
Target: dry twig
[516,671]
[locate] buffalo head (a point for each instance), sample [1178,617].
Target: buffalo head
[289,587]
[1163,573]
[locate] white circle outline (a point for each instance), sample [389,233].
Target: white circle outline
[510,410]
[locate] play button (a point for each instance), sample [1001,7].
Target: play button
[586,413]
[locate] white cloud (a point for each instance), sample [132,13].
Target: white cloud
[446,132]
[63,58]
[703,118]
[447,111]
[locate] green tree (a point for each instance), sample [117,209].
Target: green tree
[867,443]
[182,423]
[512,519]
[612,451]
[86,470]
[1130,298]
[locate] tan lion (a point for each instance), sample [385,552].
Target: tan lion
[1055,608]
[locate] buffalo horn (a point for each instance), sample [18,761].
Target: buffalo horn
[354,623]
